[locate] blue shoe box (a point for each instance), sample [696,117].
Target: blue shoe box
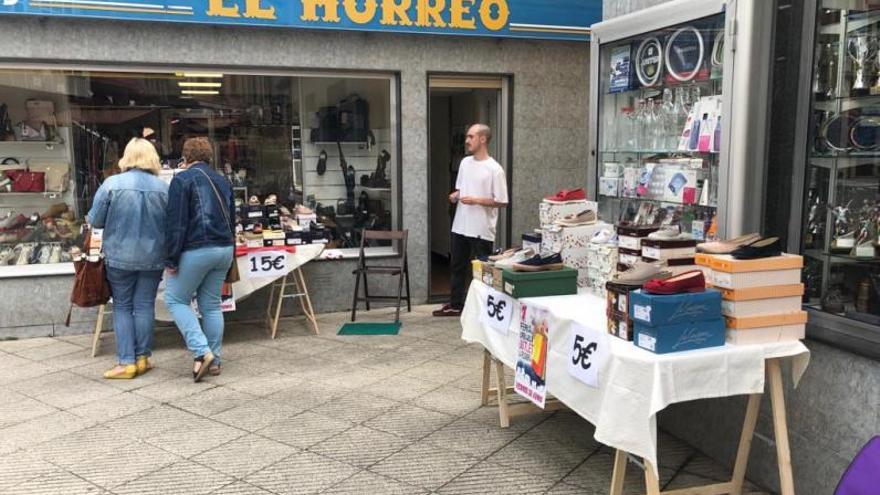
[681,337]
[676,309]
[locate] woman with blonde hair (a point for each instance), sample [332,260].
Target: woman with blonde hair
[130,207]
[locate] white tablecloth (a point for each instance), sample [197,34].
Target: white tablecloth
[635,384]
[247,286]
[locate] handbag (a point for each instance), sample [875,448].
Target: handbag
[57,173]
[25,181]
[232,275]
[10,163]
[90,286]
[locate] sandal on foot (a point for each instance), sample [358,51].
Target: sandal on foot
[214,369]
[204,363]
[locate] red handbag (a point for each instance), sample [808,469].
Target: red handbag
[25,181]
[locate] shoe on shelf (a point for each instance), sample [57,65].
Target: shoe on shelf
[271,200]
[640,273]
[586,217]
[540,263]
[670,233]
[728,246]
[692,281]
[567,196]
[504,254]
[763,248]
[602,237]
[446,310]
[303,210]
[143,364]
[254,201]
[55,210]
[517,257]
[121,372]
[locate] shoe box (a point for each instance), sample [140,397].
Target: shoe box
[677,322]
[629,242]
[667,250]
[549,212]
[761,298]
[532,240]
[253,240]
[539,284]
[297,238]
[601,266]
[306,219]
[274,238]
[620,323]
[573,243]
[620,326]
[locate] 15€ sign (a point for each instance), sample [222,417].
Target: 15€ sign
[589,350]
[266,264]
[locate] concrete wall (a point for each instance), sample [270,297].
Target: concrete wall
[831,414]
[549,113]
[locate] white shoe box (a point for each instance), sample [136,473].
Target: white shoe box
[572,243]
[766,335]
[549,212]
[746,280]
[760,307]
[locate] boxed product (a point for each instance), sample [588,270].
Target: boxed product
[538,284]
[610,186]
[620,325]
[665,310]
[296,238]
[680,337]
[274,242]
[253,212]
[762,321]
[549,212]
[631,237]
[488,277]
[532,241]
[628,257]
[477,269]
[253,240]
[766,335]
[762,300]
[271,211]
[571,242]
[497,278]
[747,280]
[618,298]
[306,219]
[662,250]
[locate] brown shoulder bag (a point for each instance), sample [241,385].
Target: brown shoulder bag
[90,286]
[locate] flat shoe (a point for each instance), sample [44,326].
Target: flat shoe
[214,370]
[127,372]
[143,365]
[764,248]
[692,281]
[203,369]
[728,246]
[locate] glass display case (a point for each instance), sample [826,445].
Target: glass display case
[661,126]
[841,220]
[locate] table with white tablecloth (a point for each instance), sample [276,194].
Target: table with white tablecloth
[635,384]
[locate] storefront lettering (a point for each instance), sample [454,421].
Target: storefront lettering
[253,9]
[462,14]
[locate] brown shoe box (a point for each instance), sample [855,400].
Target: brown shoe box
[621,326]
[617,297]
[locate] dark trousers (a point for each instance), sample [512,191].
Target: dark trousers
[464,249]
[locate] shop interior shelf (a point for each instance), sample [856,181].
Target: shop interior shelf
[841,257]
[847,155]
[655,152]
[661,201]
[29,144]
[842,161]
[862,21]
[48,195]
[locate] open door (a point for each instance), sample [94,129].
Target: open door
[456,103]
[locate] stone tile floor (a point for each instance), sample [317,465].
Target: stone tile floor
[299,415]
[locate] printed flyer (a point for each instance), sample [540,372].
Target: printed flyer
[531,363]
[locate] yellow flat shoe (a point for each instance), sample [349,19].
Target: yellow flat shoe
[120,372]
[143,365]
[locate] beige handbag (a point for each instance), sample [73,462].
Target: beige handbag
[57,173]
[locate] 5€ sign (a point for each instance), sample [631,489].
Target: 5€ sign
[589,352]
[497,311]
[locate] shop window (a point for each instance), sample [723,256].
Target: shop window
[322,145]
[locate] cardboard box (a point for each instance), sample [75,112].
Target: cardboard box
[573,243]
[657,250]
[761,307]
[306,220]
[655,310]
[273,242]
[549,212]
[796,318]
[253,212]
[497,278]
[768,292]
[682,337]
[294,238]
[532,240]
[728,264]
[610,186]
[748,280]
[617,297]
[253,240]
[766,335]
[539,284]
[620,326]
[271,211]
[628,257]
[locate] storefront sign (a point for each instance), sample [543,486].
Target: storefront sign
[589,352]
[530,380]
[561,19]
[497,311]
[267,264]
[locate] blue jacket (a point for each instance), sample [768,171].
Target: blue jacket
[194,215]
[130,207]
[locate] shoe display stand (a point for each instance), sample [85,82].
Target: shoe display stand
[273,309]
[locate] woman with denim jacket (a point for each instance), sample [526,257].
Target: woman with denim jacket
[199,245]
[130,207]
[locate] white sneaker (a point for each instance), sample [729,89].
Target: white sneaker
[517,257]
[670,233]
[602,237]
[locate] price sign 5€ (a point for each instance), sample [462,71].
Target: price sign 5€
[497,311]
[267,264]
[588,353]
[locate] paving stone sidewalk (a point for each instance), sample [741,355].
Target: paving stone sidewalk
[299,415]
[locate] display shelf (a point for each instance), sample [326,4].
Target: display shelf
[841,162]
[840,258]
[658,151]
[662,201]
[844,155]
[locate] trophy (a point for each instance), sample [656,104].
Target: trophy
[862,50]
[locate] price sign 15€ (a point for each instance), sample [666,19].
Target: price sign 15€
[498,311]
[267,264]
[588,354]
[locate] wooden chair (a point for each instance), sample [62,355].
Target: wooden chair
[401,271]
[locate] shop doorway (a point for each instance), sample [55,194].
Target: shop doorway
[455,103]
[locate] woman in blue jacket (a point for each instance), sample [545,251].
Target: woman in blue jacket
[200,242]
[130,207]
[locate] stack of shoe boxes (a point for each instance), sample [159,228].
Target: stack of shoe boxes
[629,242]
[761,297]
[620,322]
[573,244]
[550,211]
[677,322]
[677,255]
[601,266]
[253,218]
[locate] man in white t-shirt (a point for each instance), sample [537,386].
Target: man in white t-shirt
[480,191]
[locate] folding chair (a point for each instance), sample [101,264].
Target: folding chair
[401,271]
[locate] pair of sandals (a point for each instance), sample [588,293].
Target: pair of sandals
[204,365]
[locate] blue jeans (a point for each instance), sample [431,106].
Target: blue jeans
[200,273]
[134,310]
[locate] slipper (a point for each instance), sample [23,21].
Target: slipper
[206,363]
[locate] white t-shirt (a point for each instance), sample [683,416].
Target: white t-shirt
[480,179]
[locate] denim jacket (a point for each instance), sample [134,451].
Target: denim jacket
[195,217]
[130,207]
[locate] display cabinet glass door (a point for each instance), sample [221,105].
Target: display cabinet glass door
[841,220]
[660,127]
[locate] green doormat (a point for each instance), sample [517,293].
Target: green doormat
[389,328]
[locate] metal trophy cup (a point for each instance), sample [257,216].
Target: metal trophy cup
[863,52]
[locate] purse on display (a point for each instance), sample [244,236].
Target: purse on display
[57,173]
[25,181]
[10,163]
[90,286]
